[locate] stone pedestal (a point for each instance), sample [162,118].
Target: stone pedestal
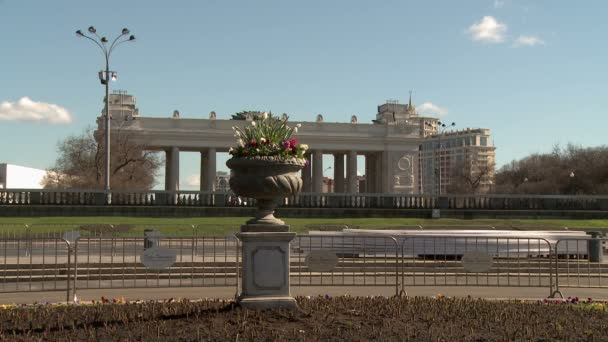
[265,278]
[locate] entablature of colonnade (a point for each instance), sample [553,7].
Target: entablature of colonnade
[198,134]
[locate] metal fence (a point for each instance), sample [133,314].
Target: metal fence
[476,261]
[197,261]
[30,264]
[35,264]
[341,260]
[580,263]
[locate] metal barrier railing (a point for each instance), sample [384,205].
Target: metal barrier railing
[330,259]
[29,263]
[580,262]
[155,261]
[35,264]
[475,261]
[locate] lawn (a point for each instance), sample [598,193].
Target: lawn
[226,225]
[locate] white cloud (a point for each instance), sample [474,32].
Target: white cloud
[499,3]
[28,110]
[528,41]
[488,30]
[429,108]
[193,181]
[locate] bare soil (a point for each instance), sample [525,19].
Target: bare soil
[319,319]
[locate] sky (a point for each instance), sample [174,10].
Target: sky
[533,72]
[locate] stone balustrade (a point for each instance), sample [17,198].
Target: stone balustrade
[42,197]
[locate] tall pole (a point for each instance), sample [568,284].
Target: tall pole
[104,77]
[107,130]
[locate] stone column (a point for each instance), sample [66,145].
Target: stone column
[370,174]
[351,169]
[168,169]
[203,170]
[174,167]
[386,175]
[306,175]
[211,169]
[377,167]
[338,172]
[317,171]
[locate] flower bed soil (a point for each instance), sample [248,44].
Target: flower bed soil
[320,319]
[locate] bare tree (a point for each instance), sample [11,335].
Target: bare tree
[470,177]
[82,158]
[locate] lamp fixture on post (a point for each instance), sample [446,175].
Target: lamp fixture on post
[104,77]
[571,183]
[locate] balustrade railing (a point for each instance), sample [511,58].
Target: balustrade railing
[303,200]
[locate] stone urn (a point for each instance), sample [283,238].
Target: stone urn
[268,180]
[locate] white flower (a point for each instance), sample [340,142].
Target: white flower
[252,123]
[233,128]
[263,140]
[295,130]
[304,147]
[240,142]
[299,125]
[264,115]
[230,150]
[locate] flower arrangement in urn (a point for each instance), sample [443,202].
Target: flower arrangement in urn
[265,164]
[268,136]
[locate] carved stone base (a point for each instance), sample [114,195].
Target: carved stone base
[268,302]
[265,213]
[265,277]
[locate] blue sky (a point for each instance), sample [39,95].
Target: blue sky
[534,72]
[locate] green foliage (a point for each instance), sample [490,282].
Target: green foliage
[225,225]
[267,136]
[255,114]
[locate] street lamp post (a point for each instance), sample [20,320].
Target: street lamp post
[572,188]
[104,77]
[441,127]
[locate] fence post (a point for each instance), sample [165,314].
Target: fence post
[68,273]
[236,265]
[75,250]
[402,292]
[594,246]
[396,266]
[553,255]
[28,240]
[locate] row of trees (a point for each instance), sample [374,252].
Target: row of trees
[570,170]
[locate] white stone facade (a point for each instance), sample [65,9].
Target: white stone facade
[20,177]
[391,146]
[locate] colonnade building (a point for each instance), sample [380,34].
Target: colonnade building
[395,146]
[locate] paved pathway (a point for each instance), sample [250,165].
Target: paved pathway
[229,292]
